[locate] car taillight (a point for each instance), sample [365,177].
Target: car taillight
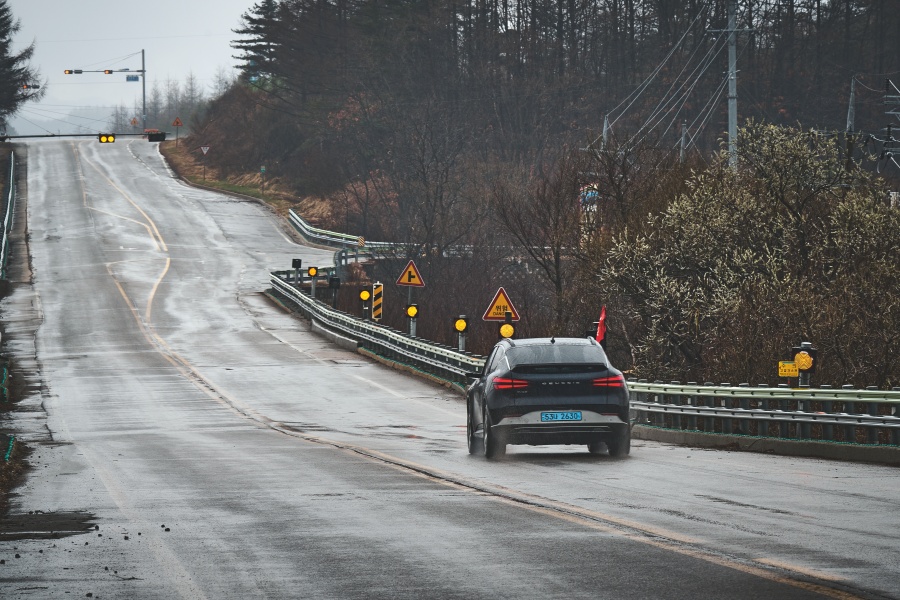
[505,383]
[614,381]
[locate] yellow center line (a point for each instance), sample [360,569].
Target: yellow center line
[149,225]
[135,221]
[597,521]
[798,569]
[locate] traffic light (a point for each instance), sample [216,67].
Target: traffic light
[507,329]
[804,357]
[71,71]
[158,136]
[312,271]
[107,71]
[412,310]
[461,324]
[106,138]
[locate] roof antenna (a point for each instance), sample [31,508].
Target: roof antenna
[553,340]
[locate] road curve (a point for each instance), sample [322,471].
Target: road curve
[192,440]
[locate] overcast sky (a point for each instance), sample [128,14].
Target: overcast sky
[178,37]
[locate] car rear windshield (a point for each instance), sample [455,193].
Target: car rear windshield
[556,358]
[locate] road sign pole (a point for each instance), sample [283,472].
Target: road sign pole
[462,326]
[412,327]
[144,90]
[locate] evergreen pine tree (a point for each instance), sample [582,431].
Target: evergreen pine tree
[19,83]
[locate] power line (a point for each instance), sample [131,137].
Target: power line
[646,83]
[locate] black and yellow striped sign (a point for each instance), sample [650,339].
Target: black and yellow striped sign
[377,296]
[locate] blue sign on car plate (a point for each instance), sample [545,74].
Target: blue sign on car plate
[561,416]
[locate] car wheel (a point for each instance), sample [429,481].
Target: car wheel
[620,445]
[475,444]
[595,447]
[493,445]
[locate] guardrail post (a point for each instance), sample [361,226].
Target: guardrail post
[744,424]
[659,419]
[849,408]
[784,428]
[872,410]
[692,401]
[827,408]
[895,410]
[762,426]
[676,400]
[726,422]
[803,428]
[709,423]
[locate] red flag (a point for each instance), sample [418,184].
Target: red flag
[601,326]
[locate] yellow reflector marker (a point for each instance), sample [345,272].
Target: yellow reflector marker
[364,295]
[461,325]
[507,330]
[411,311]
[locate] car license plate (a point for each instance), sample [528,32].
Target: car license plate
[561,416]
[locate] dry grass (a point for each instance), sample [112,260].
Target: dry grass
[186,163]
[12,473]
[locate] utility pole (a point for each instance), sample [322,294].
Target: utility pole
[683,141]
[144,91]
[129,77]
[732,83]
[851,111]
[605,131]
[850,123]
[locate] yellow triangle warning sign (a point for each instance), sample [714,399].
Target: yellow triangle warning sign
[498,308]
[177,122]
[410,276]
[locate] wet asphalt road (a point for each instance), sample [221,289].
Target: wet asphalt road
[192,440]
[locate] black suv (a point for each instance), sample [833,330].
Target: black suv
[548,391]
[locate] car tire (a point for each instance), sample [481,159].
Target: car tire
[493,445]
[620,445]
[475,444]
[596,447]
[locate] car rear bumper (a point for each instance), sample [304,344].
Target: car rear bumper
[529,429]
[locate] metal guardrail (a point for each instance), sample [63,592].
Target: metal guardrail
[846,415]
[374,249]
[9,206]
[331,238]
[824,414]
[442,362]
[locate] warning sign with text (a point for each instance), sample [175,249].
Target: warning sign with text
[499,306]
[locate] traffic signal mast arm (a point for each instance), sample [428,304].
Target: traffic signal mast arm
[105,71]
